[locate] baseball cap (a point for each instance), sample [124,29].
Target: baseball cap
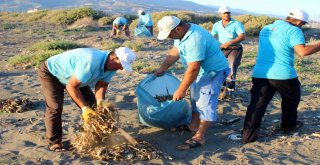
[126,57]
[223,9]
[299,14]
[165,25]
[140,11]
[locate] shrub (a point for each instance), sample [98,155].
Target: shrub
[253,24]
[84,22]
[32,17]
[207,26]
[110,45]
[53,45]
[66,17]
[105,21]
[39,52]
[134,45]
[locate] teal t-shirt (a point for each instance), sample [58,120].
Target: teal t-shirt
[275,59]
[145,20]
[199,45]
[228,33]
[120,21]
[87,64]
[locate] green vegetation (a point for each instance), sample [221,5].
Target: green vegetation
[134,45]
[41,51]
[143,66]
[253,24]
[110,45]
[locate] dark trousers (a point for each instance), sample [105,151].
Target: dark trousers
[234,55]
[150,28]
[53,92]
[262,92]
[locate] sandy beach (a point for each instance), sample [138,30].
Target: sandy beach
[22,134]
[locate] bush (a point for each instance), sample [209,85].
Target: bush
[67,17]
[253,24]
[32,17]
[110,45]
[207,26]
[105,21]
[39,52]
[134,45]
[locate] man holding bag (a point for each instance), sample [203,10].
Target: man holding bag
[206,70]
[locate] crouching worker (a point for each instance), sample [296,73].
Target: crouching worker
[74,71]
[118,25]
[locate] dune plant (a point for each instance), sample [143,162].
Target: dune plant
[134,45]
[39,52]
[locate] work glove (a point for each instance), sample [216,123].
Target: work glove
[86,112]
[103,103]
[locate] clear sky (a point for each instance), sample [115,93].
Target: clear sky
[275,7]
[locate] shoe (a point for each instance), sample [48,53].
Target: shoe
[189,144]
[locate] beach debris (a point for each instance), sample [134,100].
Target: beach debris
[235,137]
[230,121]
[103,139]
[15,105]
[163,98]
[316,134]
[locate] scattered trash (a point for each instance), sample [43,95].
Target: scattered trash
[230,121]
[275,121]
[235,137]
[316,134]
[296,134]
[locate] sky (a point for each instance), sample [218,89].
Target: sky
[274,7]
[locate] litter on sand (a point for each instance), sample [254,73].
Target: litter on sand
[235,137]
[102,139]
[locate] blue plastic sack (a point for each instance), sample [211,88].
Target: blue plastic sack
[167,114]
[142,31]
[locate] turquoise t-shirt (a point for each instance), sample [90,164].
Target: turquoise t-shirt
[87,64]
[275,59]
[199,45]
[145,20]
[228,33]
[120,20]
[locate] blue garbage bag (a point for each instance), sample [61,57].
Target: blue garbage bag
[142,31]
[166,114]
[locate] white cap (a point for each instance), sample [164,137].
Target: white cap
[165,25]
[223,9]
[299,14]
[126,57]
[140,11]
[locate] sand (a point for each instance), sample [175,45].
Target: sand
[22,134]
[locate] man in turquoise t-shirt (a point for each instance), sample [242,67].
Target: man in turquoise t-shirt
[230,34]
[145,20]
[206,69]
[118,25]
[274,72]
[75,70]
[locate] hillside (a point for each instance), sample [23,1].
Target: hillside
[112,6]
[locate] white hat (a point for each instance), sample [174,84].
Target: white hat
[165,25]
[223,9]
[140,11]
[299,14]
[126,57]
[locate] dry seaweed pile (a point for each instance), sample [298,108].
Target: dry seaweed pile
[13,105]
[101,139]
